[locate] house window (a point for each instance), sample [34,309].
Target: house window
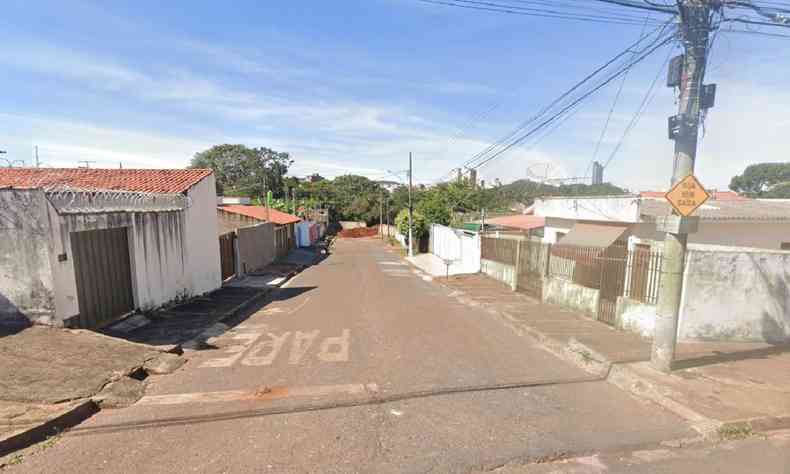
[785,246]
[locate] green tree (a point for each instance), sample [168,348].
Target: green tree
[355,198]
[419,224]
[758,180]
[243,171]
[435,207]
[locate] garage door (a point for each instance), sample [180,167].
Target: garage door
[104,277]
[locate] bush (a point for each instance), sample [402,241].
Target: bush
[419,224]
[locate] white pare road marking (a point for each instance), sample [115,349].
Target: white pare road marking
[248,347]
[390,262]
[260,394]
[332,349]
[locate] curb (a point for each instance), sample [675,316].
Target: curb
[626,379]
[41,432]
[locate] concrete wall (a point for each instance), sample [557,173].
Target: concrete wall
[156,252]
[566,293]
[635,316]
[736,296]
[499,271]
[26,283]
[462,248]
[256,247]
[611,208]
[230,221]
[202,245]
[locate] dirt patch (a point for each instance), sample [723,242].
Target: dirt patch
[359,232]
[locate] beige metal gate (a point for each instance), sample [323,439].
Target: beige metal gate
[103,273]
[533,261]
[227,255]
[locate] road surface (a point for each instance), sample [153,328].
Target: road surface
[361,365]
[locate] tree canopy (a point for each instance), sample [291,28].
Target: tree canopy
[245,171]
[769,180]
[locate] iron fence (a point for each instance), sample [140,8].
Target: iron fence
[644,275]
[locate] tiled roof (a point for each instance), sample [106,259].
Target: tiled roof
[136,180]
[715,195]
[261,213]
[519,221]
[746,210]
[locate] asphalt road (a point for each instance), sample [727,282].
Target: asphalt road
[360,365]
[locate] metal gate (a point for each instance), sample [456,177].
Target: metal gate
[613,262]
[227,255]
[533,260]
[103,273]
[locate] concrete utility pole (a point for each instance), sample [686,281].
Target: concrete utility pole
[695,28]
[293,199]
[411,234]
[381,213]
[38,163]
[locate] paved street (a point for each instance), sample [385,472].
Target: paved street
[361,365]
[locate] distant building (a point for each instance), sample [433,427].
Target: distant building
[390,186]
[597,173]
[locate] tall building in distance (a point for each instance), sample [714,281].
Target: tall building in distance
[597,173]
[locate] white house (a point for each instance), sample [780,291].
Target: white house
[726,221]
[82,247]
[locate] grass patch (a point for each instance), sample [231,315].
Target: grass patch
[735,431]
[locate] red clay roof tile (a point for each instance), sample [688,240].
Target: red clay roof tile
[137,180]
[260,213]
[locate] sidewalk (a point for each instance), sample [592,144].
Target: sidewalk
[717,387]
[434,266]
[191,323]
[52,379]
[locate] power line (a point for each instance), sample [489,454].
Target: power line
[611,110]
[491,148]
[639,111]
[572,104]
[509,9]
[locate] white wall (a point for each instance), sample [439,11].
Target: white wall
[200,230]
[156,253]
[173,254]
[462,248]
[611,209]
[554,225]
[738,295]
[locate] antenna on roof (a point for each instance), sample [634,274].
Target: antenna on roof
[87,163]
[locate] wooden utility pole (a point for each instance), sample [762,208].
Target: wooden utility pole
[694,28]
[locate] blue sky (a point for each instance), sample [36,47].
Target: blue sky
[353,86]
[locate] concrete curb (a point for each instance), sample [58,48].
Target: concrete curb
[625,378]
[40,432]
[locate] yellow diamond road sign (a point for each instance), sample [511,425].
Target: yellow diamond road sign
[687,195]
